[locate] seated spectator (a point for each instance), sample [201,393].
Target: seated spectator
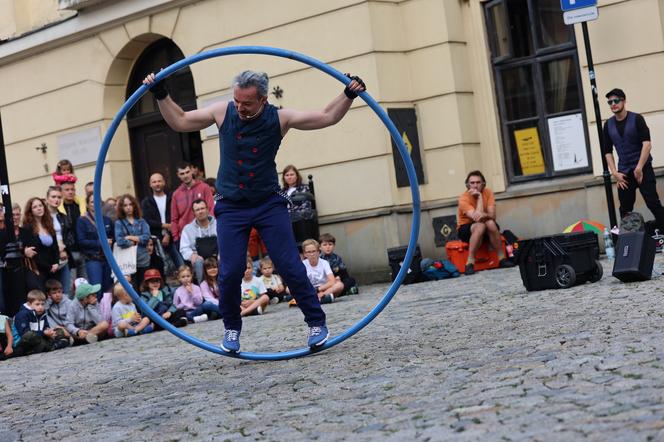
[189,298]
[199,238]
[476,220]
[64,173]
[319,273]
[156,261]
[34,332]
[57,305]
[6,338]
[210,286]
[40,245]
[89,188]
[84,321]
[254,294]
[276,290]
[301,207]
[160,299]
[126,319]
[327,246]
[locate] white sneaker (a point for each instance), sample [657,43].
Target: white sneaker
[91,338]
[274,300]
[259,310]
[201,318]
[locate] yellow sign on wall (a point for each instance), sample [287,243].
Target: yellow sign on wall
[530,151]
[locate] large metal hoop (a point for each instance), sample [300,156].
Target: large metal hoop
[262,50]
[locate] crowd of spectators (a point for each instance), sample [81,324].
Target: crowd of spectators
[61,292]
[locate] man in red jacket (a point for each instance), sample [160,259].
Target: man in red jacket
[189,191]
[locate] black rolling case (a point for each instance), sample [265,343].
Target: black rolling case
[559,261]
[396,255]
[635,255]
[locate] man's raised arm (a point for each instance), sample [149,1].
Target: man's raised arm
[179,120]
[332,114]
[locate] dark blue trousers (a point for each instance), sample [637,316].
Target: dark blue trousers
[270,217]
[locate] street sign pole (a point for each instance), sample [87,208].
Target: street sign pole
[608,186]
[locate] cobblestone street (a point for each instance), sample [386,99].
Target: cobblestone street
[472,358]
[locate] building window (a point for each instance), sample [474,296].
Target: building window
[538,87]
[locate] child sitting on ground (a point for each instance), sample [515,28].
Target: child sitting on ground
[254,294]
[6,338]
[84,321]
[209,286]
[327,246]
[275,287]
[189,298]
[56,306]
[35,334]
[64,173]
[160,299]
[126,319]
[319,273]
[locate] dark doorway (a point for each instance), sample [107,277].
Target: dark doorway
[155,147]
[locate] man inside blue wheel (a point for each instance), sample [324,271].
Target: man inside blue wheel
[248,195]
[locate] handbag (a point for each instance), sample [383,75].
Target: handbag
[206,246]
[125,258]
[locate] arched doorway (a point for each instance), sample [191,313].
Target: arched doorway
[155,147]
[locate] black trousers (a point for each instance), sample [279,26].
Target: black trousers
[648,189]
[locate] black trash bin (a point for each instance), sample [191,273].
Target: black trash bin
[559,261]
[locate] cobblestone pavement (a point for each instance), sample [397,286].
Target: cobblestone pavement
[473,358]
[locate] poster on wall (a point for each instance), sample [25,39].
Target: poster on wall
[405,120]
[530,151]
[81,147]
[568,142]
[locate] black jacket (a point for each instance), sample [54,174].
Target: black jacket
[46,255]
[151,214]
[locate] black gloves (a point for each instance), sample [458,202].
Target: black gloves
[159,90]
[350,94]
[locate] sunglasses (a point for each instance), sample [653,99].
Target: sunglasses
[614,101]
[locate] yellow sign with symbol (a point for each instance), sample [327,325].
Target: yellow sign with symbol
[530,151]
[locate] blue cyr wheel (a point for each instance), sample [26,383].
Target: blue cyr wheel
[262,50]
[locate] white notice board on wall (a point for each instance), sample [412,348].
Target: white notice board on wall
[568,142]
[80,147]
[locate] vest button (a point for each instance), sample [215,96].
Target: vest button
[238,136]
[239,162]
[251,174]
[254,149]
[241,186]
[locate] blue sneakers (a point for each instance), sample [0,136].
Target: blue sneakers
[318,336]
[231,342]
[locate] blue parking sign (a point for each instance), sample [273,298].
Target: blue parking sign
[570,5]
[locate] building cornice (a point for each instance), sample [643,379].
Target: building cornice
[88,22]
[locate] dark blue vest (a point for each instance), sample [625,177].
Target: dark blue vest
[628,145]
[247,149]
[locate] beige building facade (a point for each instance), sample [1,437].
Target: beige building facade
[482,99]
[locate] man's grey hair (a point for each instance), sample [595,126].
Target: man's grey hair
[252,78]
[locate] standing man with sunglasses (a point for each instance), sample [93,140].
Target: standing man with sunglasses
[628,132]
